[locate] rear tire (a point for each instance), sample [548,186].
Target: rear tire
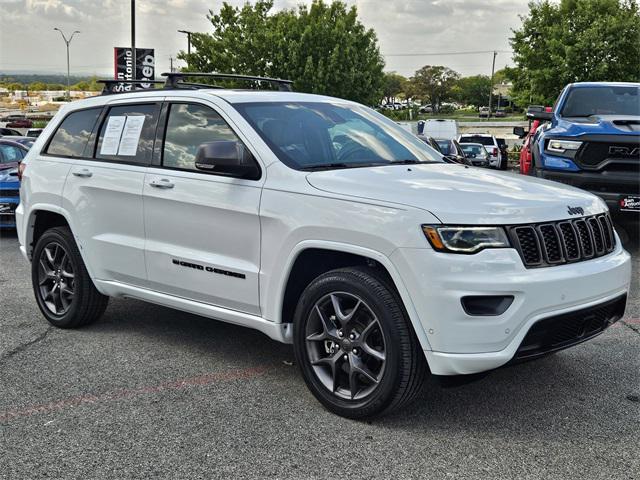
[355,345]
[63,289]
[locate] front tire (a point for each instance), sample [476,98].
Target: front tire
[355,346]
[63,289]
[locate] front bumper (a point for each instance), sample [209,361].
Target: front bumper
[609,186]
[8,207]
[464,344]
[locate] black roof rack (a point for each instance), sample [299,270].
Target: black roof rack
[175,80]
[111,84]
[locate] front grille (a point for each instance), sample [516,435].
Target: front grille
[9,193]
[614,157]
[555,243]
[562,331]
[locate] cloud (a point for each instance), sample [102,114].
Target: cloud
[402,26]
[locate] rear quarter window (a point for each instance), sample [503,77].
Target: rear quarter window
[71,137]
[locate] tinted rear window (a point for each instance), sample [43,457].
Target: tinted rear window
[474,139]
[72,135]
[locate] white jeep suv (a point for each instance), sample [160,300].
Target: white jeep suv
[318,222]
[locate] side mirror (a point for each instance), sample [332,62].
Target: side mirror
[227,157]
[539,113]
[520,132]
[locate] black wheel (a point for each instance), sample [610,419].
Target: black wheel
[63,289]
[355,346]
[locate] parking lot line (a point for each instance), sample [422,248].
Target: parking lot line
[201,380]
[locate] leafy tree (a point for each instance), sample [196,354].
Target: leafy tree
[434,83]
[322,47]
[472,90]
[572,41]
[393,84]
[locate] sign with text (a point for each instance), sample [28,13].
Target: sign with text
[123,67]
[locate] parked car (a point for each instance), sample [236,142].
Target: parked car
[504,153]
[9,131]
[489,141]
[528,135]
[11,153]
[318,222]
[483,112]
[439,128]
[592,141]
[18,121]
[425,109]
[477,154]
[9,196]
[500,113]
[34,132]
[431,142]
[452,150]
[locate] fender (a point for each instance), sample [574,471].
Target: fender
[273,310]
[28,228]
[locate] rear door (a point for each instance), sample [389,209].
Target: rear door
[103,191]
[202,228]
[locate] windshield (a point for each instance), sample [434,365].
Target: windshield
[587,101]
[445,146]
[316,135]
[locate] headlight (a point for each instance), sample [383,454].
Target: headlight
[562,146]
[465,239]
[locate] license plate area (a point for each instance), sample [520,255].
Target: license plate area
[629,203]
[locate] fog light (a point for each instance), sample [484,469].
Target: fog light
[486,305]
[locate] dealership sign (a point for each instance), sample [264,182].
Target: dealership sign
[123,67]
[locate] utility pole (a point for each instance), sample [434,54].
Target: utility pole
[188,33]
[171,63]
[67,42]
[133,43]
[493,67]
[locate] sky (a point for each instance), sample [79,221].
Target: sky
[406,30]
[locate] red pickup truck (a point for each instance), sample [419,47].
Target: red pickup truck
[525,153]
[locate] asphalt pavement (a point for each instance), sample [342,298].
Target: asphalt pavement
[149,392]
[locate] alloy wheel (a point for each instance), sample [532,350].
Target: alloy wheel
[345,345]
[56,279]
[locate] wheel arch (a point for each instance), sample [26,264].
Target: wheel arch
[326,256]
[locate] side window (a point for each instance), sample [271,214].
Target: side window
[128,133]
[10,154]
[72,135]
[188,127]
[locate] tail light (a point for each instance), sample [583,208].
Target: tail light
[21,168]
[495,152]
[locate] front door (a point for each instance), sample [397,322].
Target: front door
[202,228]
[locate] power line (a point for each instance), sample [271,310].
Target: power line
[475,52]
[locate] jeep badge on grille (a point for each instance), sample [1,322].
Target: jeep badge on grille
[575,210]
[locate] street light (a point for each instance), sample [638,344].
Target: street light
[188,33]
[67,42]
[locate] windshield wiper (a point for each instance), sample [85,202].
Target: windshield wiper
[331,166]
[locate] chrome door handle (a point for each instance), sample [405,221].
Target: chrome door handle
[161,183]
[84,173]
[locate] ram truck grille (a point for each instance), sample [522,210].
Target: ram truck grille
[566,241]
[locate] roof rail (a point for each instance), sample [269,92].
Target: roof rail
[173,80]
[111,84]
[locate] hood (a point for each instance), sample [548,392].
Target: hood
[457,194]
[599,124]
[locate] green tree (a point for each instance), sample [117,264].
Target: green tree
[322,47]
[433,83]
[572,41]
[393,84]
[472,90]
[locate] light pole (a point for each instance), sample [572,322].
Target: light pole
[67,42]
[188,33]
